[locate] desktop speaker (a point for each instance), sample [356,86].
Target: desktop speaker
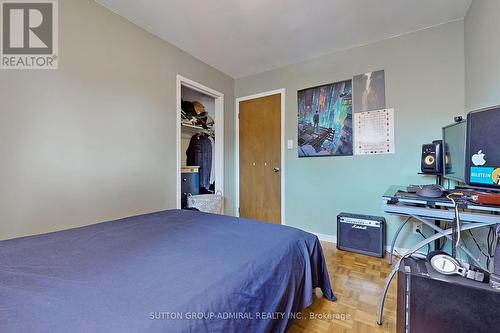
[361,234]
[432,157]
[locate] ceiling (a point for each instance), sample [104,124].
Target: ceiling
[244,37]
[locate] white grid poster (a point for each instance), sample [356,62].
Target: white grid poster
[374,132]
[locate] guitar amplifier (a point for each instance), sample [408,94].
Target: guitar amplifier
[361,234]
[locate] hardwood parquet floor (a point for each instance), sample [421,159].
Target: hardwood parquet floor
[357,281]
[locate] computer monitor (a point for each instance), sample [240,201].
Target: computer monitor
[482,159]
[454,137]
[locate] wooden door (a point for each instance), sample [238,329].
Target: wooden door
[260,158]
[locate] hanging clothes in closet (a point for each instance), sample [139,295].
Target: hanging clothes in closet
[199,153]
[212,171]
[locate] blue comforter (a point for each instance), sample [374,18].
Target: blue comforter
[172,271]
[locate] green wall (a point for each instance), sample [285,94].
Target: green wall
[424,74]
[482,54]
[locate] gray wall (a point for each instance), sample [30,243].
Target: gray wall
[482,54]
[95,139]
[424,83]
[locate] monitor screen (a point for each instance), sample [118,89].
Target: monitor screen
[482,159]
[454,137]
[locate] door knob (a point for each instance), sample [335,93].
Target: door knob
[276,169]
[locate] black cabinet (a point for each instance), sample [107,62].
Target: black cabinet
[429,302]
[190,183]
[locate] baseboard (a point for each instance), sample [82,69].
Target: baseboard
[325,238]
[333,239]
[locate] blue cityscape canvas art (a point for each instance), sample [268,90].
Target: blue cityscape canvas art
[325,120]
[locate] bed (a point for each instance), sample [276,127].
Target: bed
[171,271]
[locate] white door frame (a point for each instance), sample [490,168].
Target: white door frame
[219,132]
[282,92]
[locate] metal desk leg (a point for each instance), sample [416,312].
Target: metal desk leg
[389,258]
[388,280]
[463,248]
[411,251]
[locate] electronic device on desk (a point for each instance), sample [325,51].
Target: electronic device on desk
[483,198]
[431,191]
[454,141]
[445,264]
[454,137]
[361,234]
[415,188]
[482,159]
[432,158]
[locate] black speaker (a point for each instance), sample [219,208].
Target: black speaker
[429,302]
[432,157]
[361,234]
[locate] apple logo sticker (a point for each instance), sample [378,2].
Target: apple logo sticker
[478,159]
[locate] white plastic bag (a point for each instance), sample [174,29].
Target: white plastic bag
[208,203]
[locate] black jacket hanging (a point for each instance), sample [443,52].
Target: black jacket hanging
[199,153]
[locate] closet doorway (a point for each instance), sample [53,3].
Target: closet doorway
[200,117]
